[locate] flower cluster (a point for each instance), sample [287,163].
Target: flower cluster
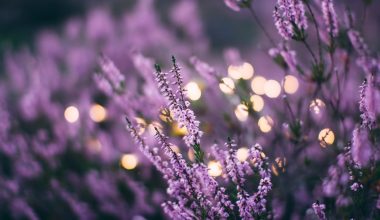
[330,17]
[193,192]
[319,210]
[289,17]
[179,107]
[64,152]
[61,152]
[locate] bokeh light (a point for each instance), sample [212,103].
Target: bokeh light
[214,168]
[176,130]
[193,91]
[97,113]
[71,114]
[244,71]
[326,137]
[234,72]
[129,161]
[317,106]
[290,84]
[247,71]
[241,112]
[242,154]
[272,88]
[265,124]
[227,85]
[257,85]
[257,103]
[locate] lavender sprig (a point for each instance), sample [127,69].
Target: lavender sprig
[358,42]
[330,17]
[178,82]
[179,107]
[299,14]
[236,171]
[290,20]
[260,163]
[151,154]
[283,26]
[183,172]
[361,149]
[369,106]
[319,210]
[112,73]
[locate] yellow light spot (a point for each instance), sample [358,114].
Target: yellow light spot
[98,113]
[234,72]
[272,88]
[153,125]
[141,125]
[242,154]
[265,124]
[291,84]
[257,103]
[193,92]
[326,137]
[214,168]
[129,161]
[71,114]
[247,71]
[317,106]
[191,155]
[244,71]
[227,85]
[257,85]
[241,112]
[176,130]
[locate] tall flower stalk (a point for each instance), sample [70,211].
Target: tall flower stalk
[193,192]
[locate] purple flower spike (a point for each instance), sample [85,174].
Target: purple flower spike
[289,17]
[319,210]
[330,17]
[361,147]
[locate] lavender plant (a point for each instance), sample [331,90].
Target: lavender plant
[193,192]
[57,160]
[330,58]
[319,127]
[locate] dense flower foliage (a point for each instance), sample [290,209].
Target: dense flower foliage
[97,125]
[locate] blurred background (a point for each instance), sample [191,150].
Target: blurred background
[20,20]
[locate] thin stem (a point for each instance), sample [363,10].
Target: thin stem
[317,30]
[310,51]
[257,20]
[290,109]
